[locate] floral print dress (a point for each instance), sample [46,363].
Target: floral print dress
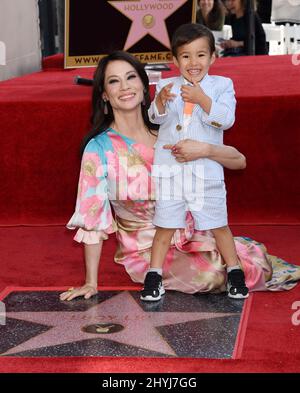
[116,194]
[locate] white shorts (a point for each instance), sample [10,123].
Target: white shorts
[207,203]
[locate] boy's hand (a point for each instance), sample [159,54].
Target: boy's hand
[196,95]
[192,93]
[226,44]
[163,96]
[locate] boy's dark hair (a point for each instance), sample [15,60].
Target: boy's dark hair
[189,32]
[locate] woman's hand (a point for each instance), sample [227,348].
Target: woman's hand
[189,150]
[87,291]
[92,253]
[227,44]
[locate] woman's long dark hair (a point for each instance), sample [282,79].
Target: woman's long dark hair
[244,5]
[217,13]
[216,17]
[101,121]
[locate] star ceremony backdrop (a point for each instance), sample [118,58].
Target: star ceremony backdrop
[141,27]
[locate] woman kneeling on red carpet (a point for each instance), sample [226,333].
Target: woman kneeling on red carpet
[116,194]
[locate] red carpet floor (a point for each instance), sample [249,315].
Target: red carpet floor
[47,257]
[43,119]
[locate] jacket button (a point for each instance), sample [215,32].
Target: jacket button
[178,127]
[216,124]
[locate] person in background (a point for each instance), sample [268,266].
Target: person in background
[264,9]
[237,18]
[211,14]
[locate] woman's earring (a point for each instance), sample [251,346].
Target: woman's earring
[105,109]
[144,100]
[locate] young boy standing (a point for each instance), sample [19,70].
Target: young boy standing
[193,106]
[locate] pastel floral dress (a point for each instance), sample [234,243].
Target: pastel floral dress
[116,194]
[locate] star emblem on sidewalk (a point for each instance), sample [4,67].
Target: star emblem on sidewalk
[140,327]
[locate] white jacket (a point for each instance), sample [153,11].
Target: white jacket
[203,127]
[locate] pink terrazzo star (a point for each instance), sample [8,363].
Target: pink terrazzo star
[139,326]
[148,17]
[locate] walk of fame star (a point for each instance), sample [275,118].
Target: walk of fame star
[117,319]
[148,17]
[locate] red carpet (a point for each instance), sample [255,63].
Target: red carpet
[47,257]
[44,117]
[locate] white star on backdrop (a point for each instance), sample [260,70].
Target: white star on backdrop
[157,10]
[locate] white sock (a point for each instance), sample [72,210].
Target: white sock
[230,268]
[155,269]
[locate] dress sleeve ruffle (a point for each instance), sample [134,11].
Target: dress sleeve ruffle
[90,237]
[93,212]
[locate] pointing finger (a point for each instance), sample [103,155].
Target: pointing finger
[194,82]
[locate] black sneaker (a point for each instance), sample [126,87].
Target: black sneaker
[236,286]
[153,288]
